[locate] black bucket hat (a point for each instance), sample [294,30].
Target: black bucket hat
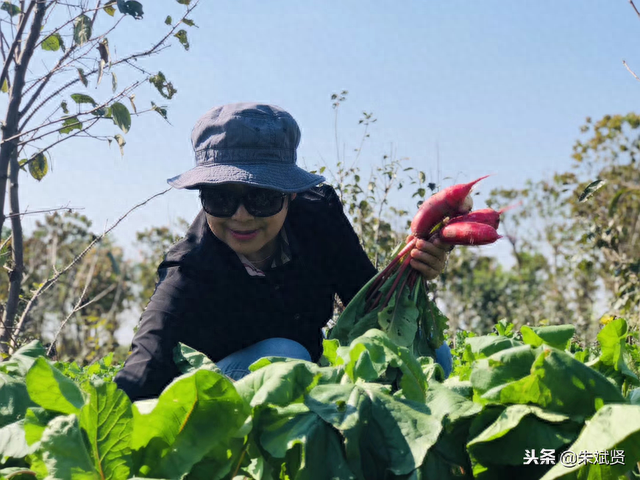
[247,143]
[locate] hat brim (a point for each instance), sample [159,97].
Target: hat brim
[284,178]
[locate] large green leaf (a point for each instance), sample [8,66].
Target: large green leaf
[14,399]
[121,116]
[490,344]
[558,336]
[107,420]
[280,383]
[52,390]
[612,342]
[383,434]
[64,451]
[22,359]
[311,447]
[192,416]
[399,320]
[517,429]
[13,443]
[560,383]
[502,367]
[188,359]
[373,357]
[615,428]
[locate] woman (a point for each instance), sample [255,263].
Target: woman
[257,272]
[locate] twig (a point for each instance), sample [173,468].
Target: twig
[44,211]
[634,7]
[630,71]
[47,284]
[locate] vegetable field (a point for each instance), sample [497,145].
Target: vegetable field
[514,406]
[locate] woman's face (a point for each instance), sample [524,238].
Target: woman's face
[253,237]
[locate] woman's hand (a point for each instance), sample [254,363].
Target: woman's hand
[430,258]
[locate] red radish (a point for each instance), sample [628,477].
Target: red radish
[488,216]
[469,233]
[443,204]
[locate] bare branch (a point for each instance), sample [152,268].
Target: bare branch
[49,210]
[49,282]
[634,7]
[630,71]
[63,139]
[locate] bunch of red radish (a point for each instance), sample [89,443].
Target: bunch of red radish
[445,215]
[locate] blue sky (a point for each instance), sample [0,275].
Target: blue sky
[493,86]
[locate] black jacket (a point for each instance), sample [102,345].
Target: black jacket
[206,299]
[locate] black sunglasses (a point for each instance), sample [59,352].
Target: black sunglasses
[224,202]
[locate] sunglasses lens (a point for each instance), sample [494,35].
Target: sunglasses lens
[219,203]
[259,202]
[263,203]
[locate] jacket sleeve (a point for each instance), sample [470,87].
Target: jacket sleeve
[352,268]
[150,367]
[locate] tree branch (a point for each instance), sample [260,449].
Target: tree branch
[50,281]
[134,56]
[15,277]
[16,41]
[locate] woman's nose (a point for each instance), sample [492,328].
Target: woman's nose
[242,214]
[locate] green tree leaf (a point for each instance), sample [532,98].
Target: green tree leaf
[131,7]
[184,2]
[121,142]
[81,30]
[5,86]
[107,420]
[10,8]
[70,124]
[81,98]
[114,82]
[52,390]
[161,110]
[168,20]
[164,87]
[109,8]
[53,43]
[592,188]
[39,166]
[189,23]
[65,107]
[83,78]
[121,116]
[181,35]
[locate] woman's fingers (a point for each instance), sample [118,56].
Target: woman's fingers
[430,258]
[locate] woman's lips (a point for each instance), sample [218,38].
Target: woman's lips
[243,235]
